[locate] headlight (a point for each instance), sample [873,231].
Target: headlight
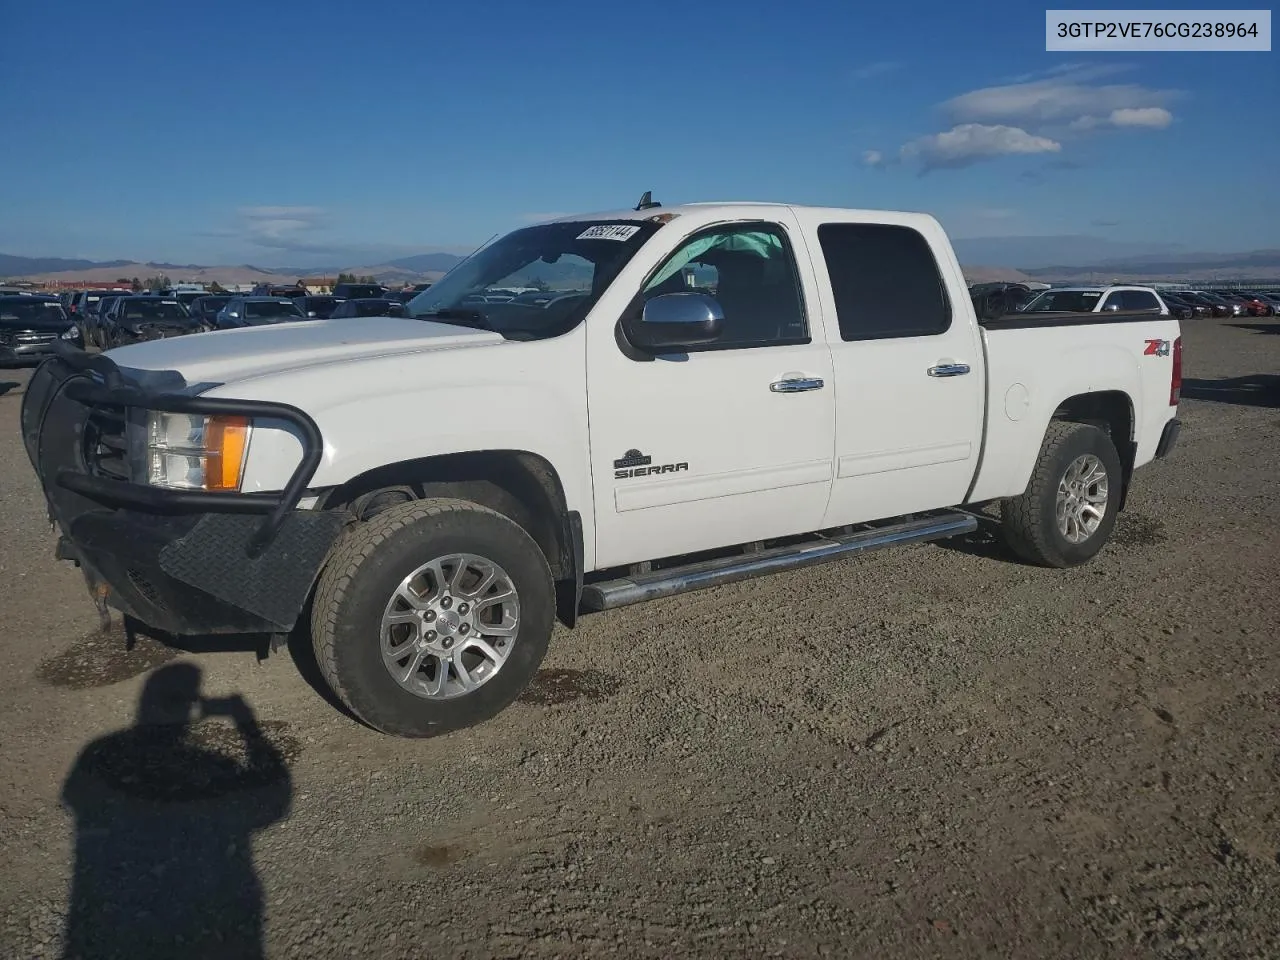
[71,333]
[196,452]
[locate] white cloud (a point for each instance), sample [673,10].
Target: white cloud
[284,228]
[967,143]
[1156,118]
[873,158]
[1063,99]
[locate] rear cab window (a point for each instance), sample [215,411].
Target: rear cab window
[885,281]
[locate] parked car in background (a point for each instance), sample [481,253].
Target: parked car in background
[290,291]
[1096,300]
[205,309]
[359,291]
[87,300]
[1177,306]
[1198,308]
[369,307]
[30,325]
[1254,305]
[139,318]
[257,311]
[319,307]
[1216,306]
[93,318]
[1222,306]
[401,296]
[1273,301]
[188,297]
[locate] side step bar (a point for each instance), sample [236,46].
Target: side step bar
[713,573]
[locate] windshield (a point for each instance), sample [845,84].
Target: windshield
[272,309]
[1070,301]
[152,310]
[566,267]
[28,310]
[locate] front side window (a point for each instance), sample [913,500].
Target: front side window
[750,271]
[885,281]
[574,261]
[1138,300]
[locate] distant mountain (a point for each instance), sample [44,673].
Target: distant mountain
[14,266]
[1048,251]
[426,262]
[1255,264]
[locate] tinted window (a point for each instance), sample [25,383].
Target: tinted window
[1070,301]
[1138,300]
[28,310]
[143,309]
[750,271]
[885,281]
[271,309]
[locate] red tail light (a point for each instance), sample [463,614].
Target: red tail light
[1175,383]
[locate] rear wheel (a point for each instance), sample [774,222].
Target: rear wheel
[1067,513]
[433,616]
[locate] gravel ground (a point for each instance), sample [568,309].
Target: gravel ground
[930,752]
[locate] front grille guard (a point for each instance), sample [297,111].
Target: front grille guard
[100,382]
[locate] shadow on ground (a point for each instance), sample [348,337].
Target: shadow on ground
[1257,327]
[165,814]
[7,385]
[1256,390]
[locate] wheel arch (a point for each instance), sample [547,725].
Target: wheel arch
[523,486]
[1112,411]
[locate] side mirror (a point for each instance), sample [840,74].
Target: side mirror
[675,320]
[1110,307]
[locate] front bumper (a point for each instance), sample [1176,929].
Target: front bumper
[184,562]
[20,347]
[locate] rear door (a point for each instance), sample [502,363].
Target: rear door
[908,366]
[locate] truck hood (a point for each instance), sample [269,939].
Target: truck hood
[226,356]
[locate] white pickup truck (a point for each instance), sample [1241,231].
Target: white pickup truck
[687,396]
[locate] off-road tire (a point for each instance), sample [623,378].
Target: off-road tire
[1029,522]
[363,571]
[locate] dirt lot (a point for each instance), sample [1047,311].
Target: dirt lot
[930,752]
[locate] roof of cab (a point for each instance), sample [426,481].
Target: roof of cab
[735,209]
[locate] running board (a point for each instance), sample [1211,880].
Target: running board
[713,573]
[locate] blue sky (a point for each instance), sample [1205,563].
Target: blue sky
[291,133]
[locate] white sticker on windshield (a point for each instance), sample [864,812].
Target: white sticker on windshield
[610,231]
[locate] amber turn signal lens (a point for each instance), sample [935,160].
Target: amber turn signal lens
[224,440]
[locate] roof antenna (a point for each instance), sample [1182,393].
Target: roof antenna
[647,202]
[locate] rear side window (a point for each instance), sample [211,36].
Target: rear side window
[1138,300]
[885,280]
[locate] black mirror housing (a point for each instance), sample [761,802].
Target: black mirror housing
[675,320]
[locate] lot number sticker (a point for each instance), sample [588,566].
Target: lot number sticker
[613,231]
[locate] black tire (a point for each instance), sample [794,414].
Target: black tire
[1029,522]
[362,574]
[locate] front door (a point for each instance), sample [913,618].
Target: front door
[727,443]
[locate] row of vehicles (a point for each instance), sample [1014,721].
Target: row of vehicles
[1000,298]
[112,318]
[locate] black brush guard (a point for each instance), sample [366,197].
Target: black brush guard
[182,561]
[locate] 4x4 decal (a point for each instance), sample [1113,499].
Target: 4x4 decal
[1156,348]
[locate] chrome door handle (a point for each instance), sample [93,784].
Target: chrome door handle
[949,370]
[796,385]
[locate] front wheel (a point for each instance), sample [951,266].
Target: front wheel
[432,616]
[1068,510]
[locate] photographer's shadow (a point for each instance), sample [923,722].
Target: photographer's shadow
[165,815]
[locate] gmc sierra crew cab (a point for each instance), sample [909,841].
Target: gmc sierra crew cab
[700,394]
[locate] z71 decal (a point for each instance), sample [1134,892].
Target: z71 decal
[1156,348]
[636,464]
